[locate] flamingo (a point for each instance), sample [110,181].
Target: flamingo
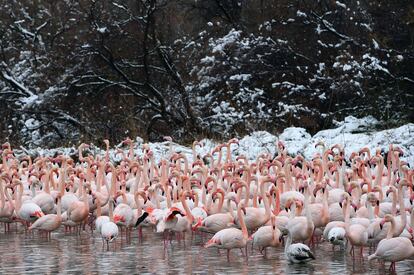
[301,228]
[123,214]
[231,238]
[28,211]
[392,249]
[6,207]
[337,236]
[219,221]
[297,252]
[100,220]
[267,236]
[78,211]
[109,230]
[49,222]
[256,217]
[43,199]
[356,233]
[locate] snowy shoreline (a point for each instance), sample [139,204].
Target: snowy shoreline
[352,133]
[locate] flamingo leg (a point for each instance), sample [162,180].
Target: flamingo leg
[228,255]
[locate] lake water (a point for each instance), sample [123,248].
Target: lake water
[70,253]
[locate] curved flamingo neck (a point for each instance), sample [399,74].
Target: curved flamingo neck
[221,202]
[370,211]
[187,209]
[391,230]
[98,207]
[138,203]
[264,197]
[307,209]
[348,213]
[394,203]
[111,209]
[402,206]
[46,187]
[242,223]
[168,196]
[277,206]
[325,213]
[59,208]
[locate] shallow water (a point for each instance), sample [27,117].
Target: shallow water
[71,253]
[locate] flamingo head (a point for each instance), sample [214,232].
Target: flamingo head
[38,214]
[317,188]
[172,212]
[382,224]
[118,218]
[387,218]
[197,224]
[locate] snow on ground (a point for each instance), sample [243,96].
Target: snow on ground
[352,133]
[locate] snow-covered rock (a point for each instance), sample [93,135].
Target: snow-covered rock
[352,133]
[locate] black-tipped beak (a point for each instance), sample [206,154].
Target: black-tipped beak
[381,226]
[142,218]
[340,204]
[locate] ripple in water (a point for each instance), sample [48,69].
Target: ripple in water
[70,253]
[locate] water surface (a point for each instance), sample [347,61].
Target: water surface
[70,253]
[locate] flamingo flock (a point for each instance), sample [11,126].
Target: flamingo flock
[364,201]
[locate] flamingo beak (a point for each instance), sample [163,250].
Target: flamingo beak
[38,214]
[382,224]
[354,206]
[199,222]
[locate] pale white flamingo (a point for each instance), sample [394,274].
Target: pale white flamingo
[219,221]
[356,233]
[267,236]
[109,230]
[297,252]
[337,236]
[49,222]
[392,249]
[301,228]
[231,238]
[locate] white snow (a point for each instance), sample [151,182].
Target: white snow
[376,46]
[221,43]
[342,5]
[300,14]
[353,133]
